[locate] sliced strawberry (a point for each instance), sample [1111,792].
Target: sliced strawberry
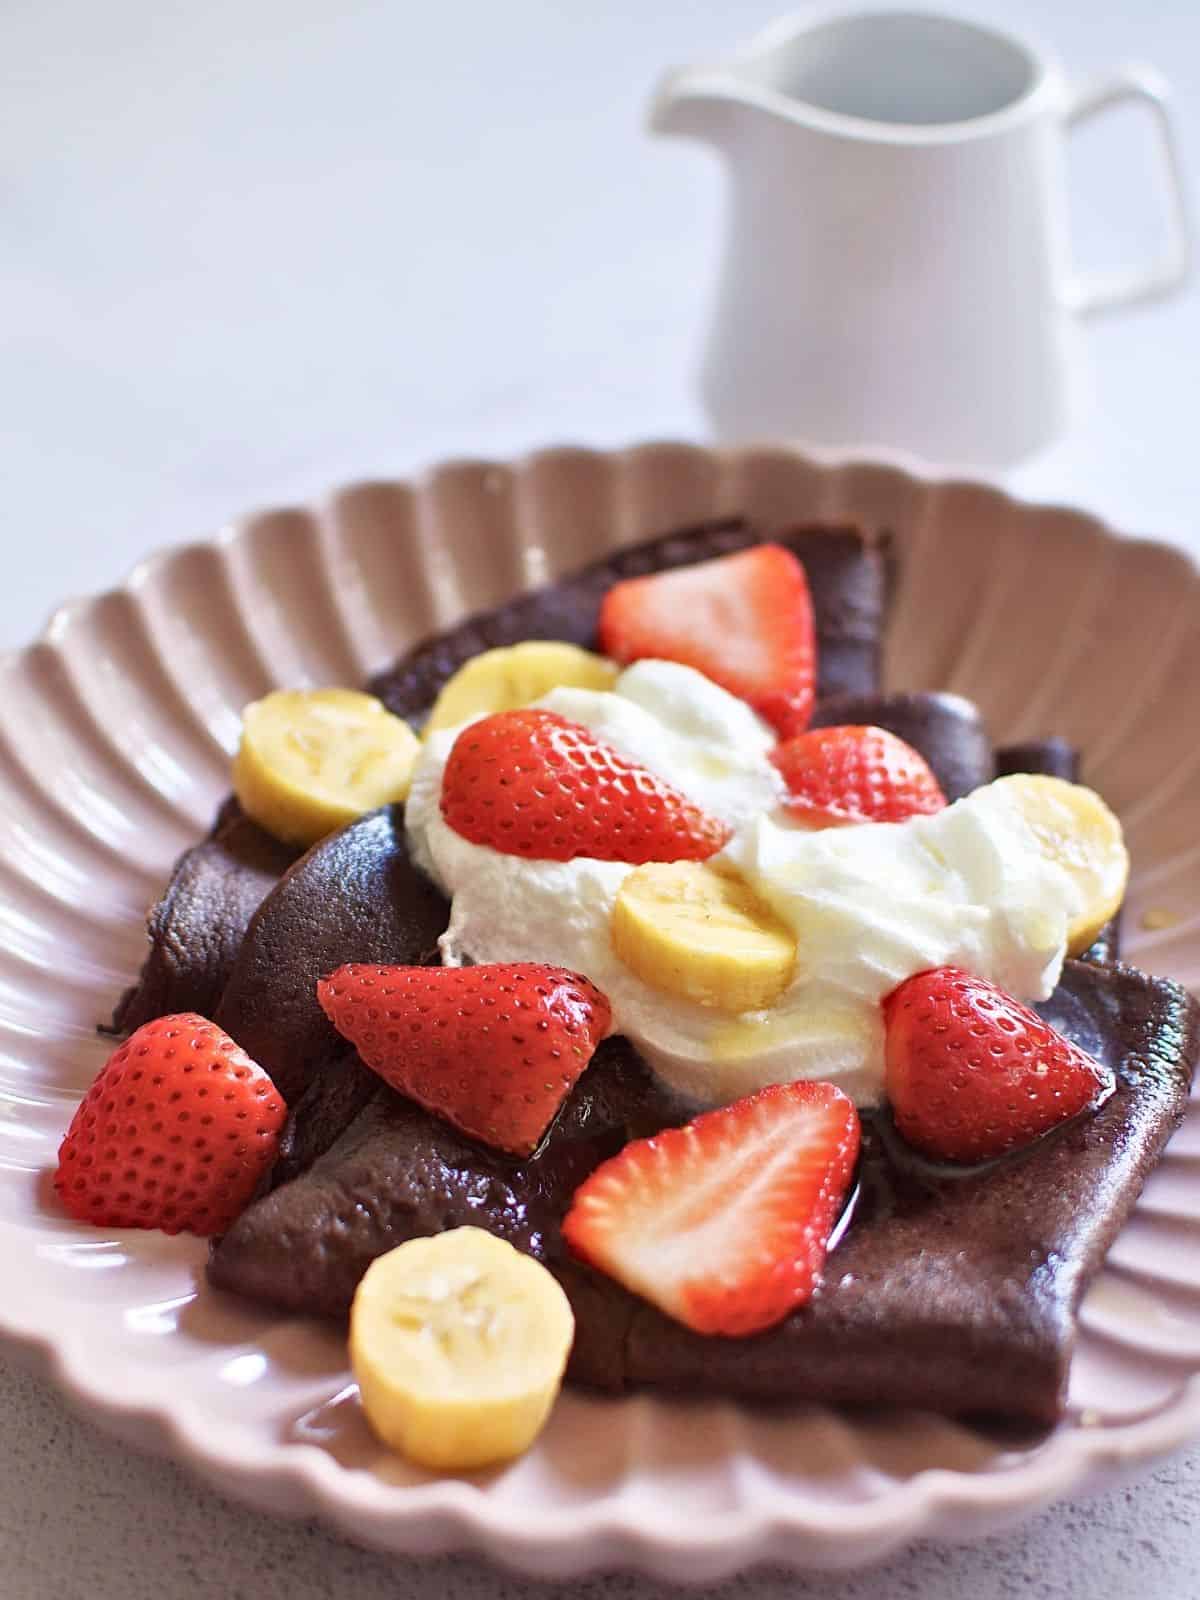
[972,1073]
[495,1050]
[856,774]
[745,621]
[531,783]
[724,1224]
[175,1132]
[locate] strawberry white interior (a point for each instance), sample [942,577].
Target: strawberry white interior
[871,905]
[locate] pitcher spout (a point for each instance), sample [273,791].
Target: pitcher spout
[696,103]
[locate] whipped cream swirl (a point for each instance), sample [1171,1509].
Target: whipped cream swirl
[870,904]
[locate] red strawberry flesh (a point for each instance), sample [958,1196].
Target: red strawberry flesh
[744,620]
[724,1223]
[494,1050]
[532,783]
[175,1132]
[852,773]
[972,1073]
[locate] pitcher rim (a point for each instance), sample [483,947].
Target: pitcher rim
[1043,67]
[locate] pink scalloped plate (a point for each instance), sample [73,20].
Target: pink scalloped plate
[115,735]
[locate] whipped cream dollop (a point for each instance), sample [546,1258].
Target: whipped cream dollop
[870,904]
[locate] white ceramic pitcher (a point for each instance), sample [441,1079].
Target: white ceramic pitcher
[896,268]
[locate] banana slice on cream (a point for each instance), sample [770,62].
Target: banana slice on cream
[508,678]
[1076,830]
[311,760]
[459,1343]
[694,930]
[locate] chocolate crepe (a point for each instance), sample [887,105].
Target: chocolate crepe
[948,1290]
[196,929]
[1054,757]
[953,1291]
[354,897]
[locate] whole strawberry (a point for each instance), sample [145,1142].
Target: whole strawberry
[855,774]
[175,1132]
[972,1073]
[532,783]
[494,1050]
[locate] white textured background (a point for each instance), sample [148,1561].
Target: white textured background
[252,247]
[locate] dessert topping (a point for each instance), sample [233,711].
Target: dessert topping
[174,1133]
[694,930]
[311,760]
[531,783]
[459,1343]
[972,1073]
[744,620]
[494,1050]
[998,884]
[975,885]
[1072,827]
[697,736]
[724,1223]
[855,774]
[508,678]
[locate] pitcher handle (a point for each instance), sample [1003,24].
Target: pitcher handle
[1106,291]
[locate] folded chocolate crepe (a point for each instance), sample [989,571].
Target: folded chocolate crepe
[196,929]
[950,1290]
[953,1291]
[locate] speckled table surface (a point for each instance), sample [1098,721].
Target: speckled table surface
[258,247]
[80,1519]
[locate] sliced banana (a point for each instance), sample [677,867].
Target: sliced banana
[504,679]
[1077,831]
[312,760]
[700,932]
[459,1343]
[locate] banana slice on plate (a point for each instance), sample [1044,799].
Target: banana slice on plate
[312,760]
[506,679]
[700,932]
[459,1343]
[1076,830]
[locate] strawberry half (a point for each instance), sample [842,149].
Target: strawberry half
[745,621]
[724,1223]
[971,1072]
[494,1050]
[531,783]
[175,1132]
[856,774]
